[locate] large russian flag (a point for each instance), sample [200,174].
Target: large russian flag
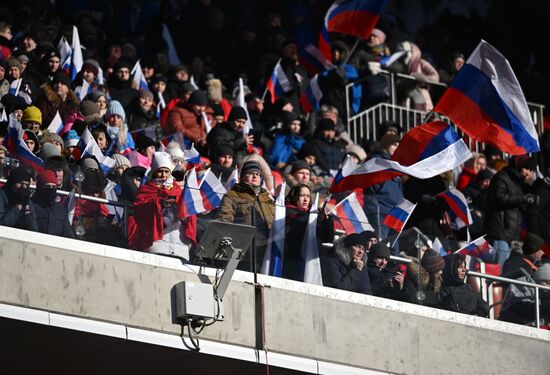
[351,215]
[192,198]
[424,152]
[354,17]
[273,257]
[398,216]
[486,101]
[16,145]
[458,205]
[278,84]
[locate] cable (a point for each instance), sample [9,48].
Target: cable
[194,341]
[263,327]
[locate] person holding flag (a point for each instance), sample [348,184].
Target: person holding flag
[230,134]
[296,74]
[298,204]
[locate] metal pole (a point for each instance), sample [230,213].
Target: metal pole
[537,310]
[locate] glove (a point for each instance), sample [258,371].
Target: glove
[374,67]
[531,199]
[22,196]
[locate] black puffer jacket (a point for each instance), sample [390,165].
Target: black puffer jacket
[137,118]
[504,206]
[331,151]
[457,296]
[226,135]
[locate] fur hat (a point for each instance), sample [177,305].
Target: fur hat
[115,108]
[12,62]
[432,262]
[356,150]
[49,137]
[146,94]
[48,150]
[222,150]
[326,124]
[161,160]
[61,78]
[389,139]
[174,149]
[214,90]
[32,114]
[355,239]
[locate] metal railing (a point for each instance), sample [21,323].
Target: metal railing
[366,122]
[501,279]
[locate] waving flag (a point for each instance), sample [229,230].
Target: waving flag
[312,97]
[240,102]
[191,155]
[273,256]
[192,198]
[233,179]
[65,53]
[15,144]
[82,91]
[212,191]
[458,205]
[15,85]
[138,81]
[56,125]
[278,84]
[438,247]
[106,163]
[206,122]
[479,248]
[173,57]
[485,100]
[311,266]
[424,152]
[85,138]
[77,60]
[314,61]
[399,215]
[351,215]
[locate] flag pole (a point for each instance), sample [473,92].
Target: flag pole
[265,91]
[352,50]
[405,223]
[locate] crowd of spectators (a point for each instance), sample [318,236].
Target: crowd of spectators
[147,130]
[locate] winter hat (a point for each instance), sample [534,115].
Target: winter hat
[307,150]
[18,174]
[47,176]
[71,139]
[249,167]
[432,262]
[159,78]
[389,139]
[121,161]
[355,239]
[89,107]
[161,160]
[89,163]
[61,78]
[187,87]
[96,95]
[299,164]
[380,250]
[56,161]
[214,90]
[146,94]
[543,273]
[94,182]
[484,174]
[237,113]
[91,65]
[122,64]
[13,62]
[532,244]
[224,150]
[368,234]
[49,137]
[326,124]
[357,151]
[32,114]
[23,59]
[115,108]
[143,141]
[30,135]
[48,150]
[217,109]
[198,98]
[380,34]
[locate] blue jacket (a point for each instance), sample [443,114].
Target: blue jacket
[388,194]
[284,149]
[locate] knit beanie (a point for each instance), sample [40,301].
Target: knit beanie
[217,109]
[249,167]
[61,78]
[380,250]
[161,160]
[237,113]
[198,98]
[146,94]
[17,175]
[91,65]
[380,34]
[224,150]
[115,108]
[71,138]
[121,161]
[299,164]
[432,262]
[32,114]
[89,163]
[89,107]
[532,244]
[13,62]
[543,273]
[47,176]
[326,124]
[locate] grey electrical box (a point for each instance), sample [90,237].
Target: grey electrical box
[194,300]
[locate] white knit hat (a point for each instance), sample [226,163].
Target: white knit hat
[161,160]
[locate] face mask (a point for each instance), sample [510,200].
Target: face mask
[45,195]
[113,131]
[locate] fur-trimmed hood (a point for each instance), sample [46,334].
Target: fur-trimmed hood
[53,98]
[414,270]
[343,253]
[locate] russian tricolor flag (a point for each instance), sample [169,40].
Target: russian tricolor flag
[76,59]
[312,96]
[486,101]
[273,256]
[351,215]
[233,179]
[458,205]
[212,191]
[479,248]
[398,216]
[15,86]
[191,155]
[192,198]
[84,140]
[314,61]
[425,151]
[138,81]
[311,267]
[16,145]
[438,247]
[56,126]
[278,84]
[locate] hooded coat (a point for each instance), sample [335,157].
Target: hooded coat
[418,278]
[458,296]
[49,103]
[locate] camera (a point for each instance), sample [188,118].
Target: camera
[10,162]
